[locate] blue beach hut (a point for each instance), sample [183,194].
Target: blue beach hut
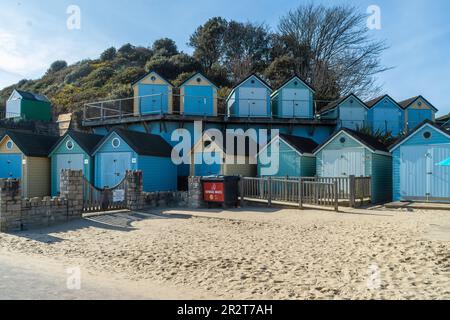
[421,159]
[123,150]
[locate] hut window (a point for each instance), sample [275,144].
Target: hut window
[253,81]
[427,134]
[115,142]
[342,140]
[351,100]
[419,103]
[69,145]
[199,80]
[153,78]
[295,83]
[9,145]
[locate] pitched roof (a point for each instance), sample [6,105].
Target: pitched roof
[337,102]
[444,118]
[373,102]
[196,74]
[369,141]
[87,141]
[248,77]
[147,74]
[32,96]
[406,103]
[32,145]
[143,143]
[412,132]
[293,77]
[303,145]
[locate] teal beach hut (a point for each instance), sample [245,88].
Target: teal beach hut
[295,156]
[352,153]
[73,151]
[123,150]
[421,164]
[293,99]
[250,98]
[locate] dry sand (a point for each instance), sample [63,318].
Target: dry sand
[261,253]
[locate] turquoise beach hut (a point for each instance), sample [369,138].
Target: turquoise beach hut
[250,98]
[293,99]
[73,151]
[352,153]
[295,156]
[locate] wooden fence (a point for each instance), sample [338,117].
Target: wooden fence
[327,192]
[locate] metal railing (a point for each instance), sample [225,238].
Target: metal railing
[175,104]
[382,126]
[319,191]
[9,115]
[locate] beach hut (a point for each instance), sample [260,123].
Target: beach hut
[73,151]
[198,96]
[24,156]
[350,111]
[351,153]
[23,105]
[295,156]
[421,164]
[386,115]
[293,99]
[229,161]
[250,98]
[152,95]
[417,109]
[123,150]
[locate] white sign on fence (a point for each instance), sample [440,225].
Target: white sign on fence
[118,195]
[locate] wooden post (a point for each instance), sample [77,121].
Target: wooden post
[241,189]
[352,190]
[84,112]
[269,191]
[336,196]
[300,193]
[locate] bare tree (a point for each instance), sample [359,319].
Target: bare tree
[332,48]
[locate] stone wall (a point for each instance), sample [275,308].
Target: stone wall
[18,214]
[195,193]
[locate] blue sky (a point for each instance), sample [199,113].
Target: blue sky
[33,34]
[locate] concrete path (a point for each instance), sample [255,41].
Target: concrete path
[30,278]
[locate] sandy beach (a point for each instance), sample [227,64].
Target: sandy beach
[260,253]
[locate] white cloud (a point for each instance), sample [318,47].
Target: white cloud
[29,43]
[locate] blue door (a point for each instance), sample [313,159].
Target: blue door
[198,100]
[11,166]
[153,99]
[112,168]
[65,162]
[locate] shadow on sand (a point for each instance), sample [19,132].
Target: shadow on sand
[115,221]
